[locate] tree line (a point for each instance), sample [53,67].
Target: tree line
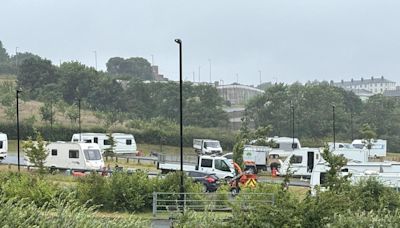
[125,91]
[314,105]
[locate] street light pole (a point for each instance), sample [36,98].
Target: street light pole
[292,107]
[351,123]
[181,189]
[16,60]
[334,129]
[18,154]
[79,119]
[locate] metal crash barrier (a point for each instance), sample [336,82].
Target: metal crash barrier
[175,202]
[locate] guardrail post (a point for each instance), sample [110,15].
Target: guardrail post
[154,204]
[184,201]
[127,160]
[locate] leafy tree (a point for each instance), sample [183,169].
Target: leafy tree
[72,113]
[368,135]
[36,151]
[109,151]
[131,68]
[4,57]
[334,181]
[47,112]
[33,74]
[77,81]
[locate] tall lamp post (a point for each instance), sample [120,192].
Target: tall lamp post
[334,129]
[17,97]
[351,123]
[292,107]
[79,119]
[95,59]
[181,189]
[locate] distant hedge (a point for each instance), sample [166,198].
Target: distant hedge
[147,135]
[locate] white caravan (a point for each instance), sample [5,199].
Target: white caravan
[256,154]
[378,147]
[318,177]
[3,146]
[124,143]
[220,166]
[303,161]
[207,146]
[72,155]
[282,148]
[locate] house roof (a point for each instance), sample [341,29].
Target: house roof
[363,81]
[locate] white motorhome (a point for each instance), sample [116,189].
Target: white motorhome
[256,154]
[124,143]
[220,166]
[72,155]
[378,147]
[207,146]
[3,146]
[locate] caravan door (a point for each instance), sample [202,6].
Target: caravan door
[310,161]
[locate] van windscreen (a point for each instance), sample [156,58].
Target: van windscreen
[92,154]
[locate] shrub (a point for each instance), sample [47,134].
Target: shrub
[28,187]
[61,211]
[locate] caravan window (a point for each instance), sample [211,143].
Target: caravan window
[129,142]
[1,144]
[92,154]
[107,142]
[88,141]
[294,145]
[296,159]
[276,146]
[53,152]
[75,140]
[73,153]
[96,140]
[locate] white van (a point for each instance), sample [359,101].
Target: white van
[124,143]
[256,154]
[3,146]
[71,155]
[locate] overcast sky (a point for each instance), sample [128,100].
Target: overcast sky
[286,40]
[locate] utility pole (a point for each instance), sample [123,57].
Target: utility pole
[199,73]
[181,189]
[79,119]
[95,59]
[260,75]
[18,154]
[16,60]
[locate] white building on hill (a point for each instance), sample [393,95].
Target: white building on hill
[373,85]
